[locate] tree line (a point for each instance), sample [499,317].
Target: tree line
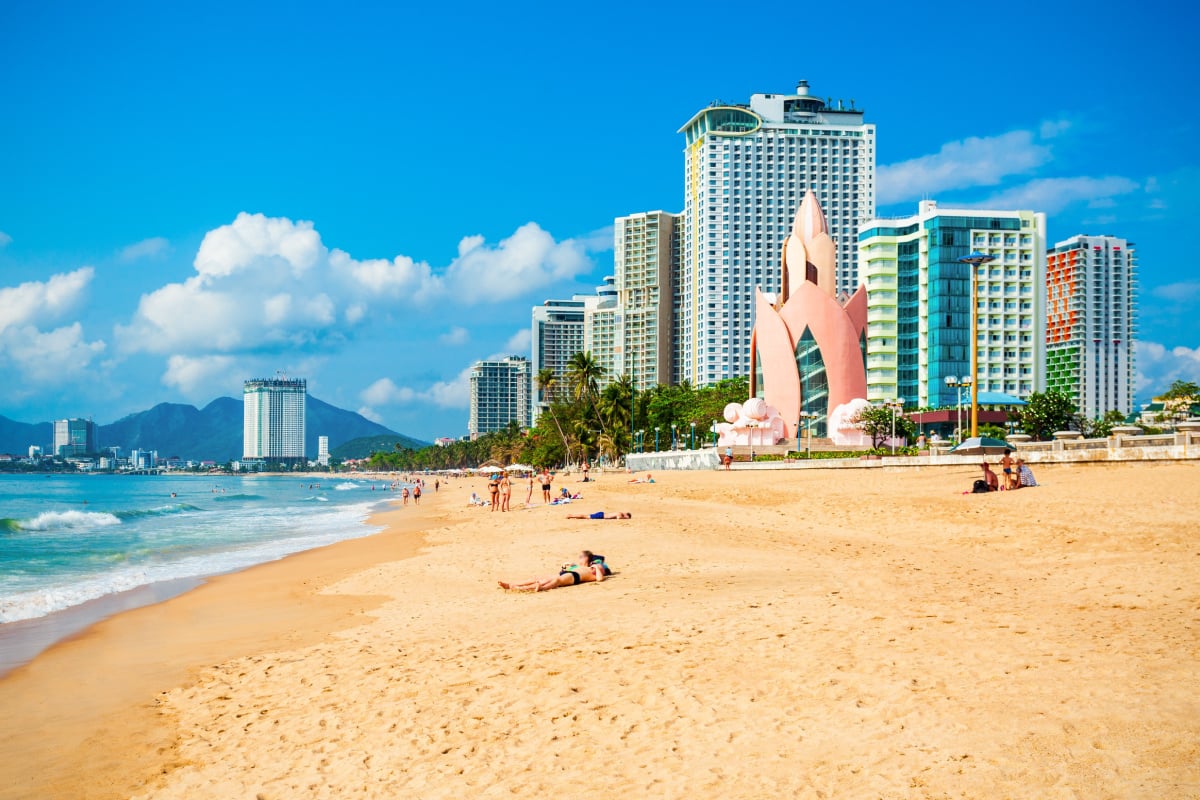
[582,422]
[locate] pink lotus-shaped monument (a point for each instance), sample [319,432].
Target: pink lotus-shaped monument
[810,346]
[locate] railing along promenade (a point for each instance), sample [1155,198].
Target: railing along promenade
[1067,447]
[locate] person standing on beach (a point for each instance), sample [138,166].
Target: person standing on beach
[404,495]
[417,495]
[494,490]
[1006,463]
[545,478]
[529,494]
[505,492]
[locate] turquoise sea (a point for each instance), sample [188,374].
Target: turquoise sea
[69,539]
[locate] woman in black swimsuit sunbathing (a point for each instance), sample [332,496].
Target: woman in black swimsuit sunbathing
[591,568]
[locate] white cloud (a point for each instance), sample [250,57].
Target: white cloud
[454,393]
[147,248]
[252,238]
[455,336]
[196,375]
[1052,195]
[1159,366]
[264,283]
[977,161]
[527,260]
[371,414]
[50,358]
[1182,292]
[37,301]
[518,344]
[5,239]
[384,392]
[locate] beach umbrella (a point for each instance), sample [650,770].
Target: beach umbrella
[519,468]
[982,446]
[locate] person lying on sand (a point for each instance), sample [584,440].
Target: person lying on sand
[601,515]
[591,568]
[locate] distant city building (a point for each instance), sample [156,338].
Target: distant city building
[74,437]
[143,459]
[444,441]
[35,451]
[1091,285]
[919,303]
[500,394]
[562,328]
[273,420]
[645,259]
[603,332]
[323,451]
[746,169]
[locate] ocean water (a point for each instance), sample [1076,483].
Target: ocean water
[69,539]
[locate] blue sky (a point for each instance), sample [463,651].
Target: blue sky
[371,198]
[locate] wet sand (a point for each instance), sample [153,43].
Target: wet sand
[767,634]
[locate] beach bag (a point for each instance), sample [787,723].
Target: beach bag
[980,487]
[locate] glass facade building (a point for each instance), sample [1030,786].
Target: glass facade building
[919,300]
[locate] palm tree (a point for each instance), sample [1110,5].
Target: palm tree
[616,407]
[547,381]
[585,373]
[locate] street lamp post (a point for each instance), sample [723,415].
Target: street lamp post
[958,384]
[808,417]
[716,434]
[674,439]
[894,404]
[656,438]
[692,438]
[975,259]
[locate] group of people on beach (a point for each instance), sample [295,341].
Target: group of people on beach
[1016,474]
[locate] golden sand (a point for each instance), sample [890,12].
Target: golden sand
[832,633]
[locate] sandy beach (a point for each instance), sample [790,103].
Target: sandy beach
[810,634]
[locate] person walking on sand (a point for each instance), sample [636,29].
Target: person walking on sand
[404,495]
[546,479]
[417,495]
[590,568]
[529,494]
[505,492]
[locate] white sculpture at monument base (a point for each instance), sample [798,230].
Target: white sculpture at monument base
[753,423]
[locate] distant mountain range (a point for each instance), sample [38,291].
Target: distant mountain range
[212,433]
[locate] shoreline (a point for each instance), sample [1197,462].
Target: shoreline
[103,677]
[764,635]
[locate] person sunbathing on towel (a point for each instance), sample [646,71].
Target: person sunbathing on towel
[591,568]
[601,515]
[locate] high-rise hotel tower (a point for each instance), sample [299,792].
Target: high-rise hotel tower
[273,420]
[1091,282]
[919,297]
[747,168]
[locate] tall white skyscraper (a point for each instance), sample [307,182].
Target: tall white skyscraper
[645,256]
[500,392]
[273,420]
[1091,283]
[746,169]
